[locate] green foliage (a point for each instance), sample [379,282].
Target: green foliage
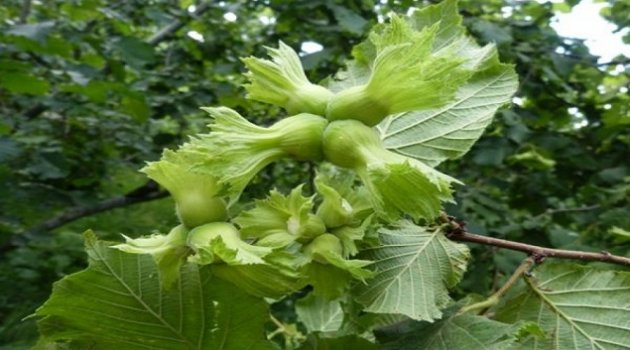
[453,332]
[88,93]
[576,308]
[319,314]
[118,301]
[404,282]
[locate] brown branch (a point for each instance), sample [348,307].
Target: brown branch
[539,253]
[615,62]
[145,193]
[569,210]
[25,11]
[165,32]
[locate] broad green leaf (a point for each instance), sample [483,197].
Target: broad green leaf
[349,342]
[435,135]
[577,307]
[414,267]
[117,303]
[355,74]
[45,344]
[456,332]
[319,314]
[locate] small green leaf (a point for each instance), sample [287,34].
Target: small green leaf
[491,32]
[135,104]
[23,83]
[329,272]
[349,236]
[620,235]
[135,52]
[534,159]
[37,32]
[9,149]
[349,20]
[328,281]
[319,314]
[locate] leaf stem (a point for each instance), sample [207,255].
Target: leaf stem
[280,330]
[276,321]
[523,268]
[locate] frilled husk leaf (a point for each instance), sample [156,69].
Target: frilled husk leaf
[282,82]
[220,242]
[168,251]
[236,150]
[197,195]
[397,185]
[279,220]
[405,75]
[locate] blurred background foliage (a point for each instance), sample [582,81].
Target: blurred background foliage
[91,89]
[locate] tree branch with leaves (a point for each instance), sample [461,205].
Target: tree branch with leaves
[368,250]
